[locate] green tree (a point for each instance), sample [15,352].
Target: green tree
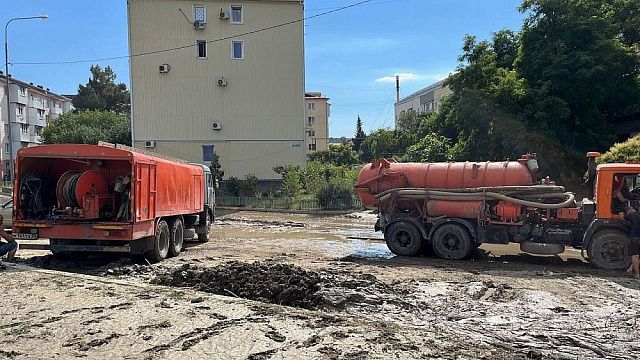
[216,168]
[431,148]
[621,152]
[337,155]
[291,180]
[386,143]
[102,93]
[359,135]
[88,127]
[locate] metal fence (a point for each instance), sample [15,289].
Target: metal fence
[283,203]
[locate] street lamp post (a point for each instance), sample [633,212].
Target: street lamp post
[6,74]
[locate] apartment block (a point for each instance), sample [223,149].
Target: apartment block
[317,111]
[216,77]
[31,107]
[422,101]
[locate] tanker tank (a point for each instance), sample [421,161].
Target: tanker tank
[386,174]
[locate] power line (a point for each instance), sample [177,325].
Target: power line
[193,45]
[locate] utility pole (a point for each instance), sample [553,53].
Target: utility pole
[6,68]
[397,88]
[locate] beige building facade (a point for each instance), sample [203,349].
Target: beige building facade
[317,110]
[31,106]
[422,101]
[217,88]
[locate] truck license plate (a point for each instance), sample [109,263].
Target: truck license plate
[27,234]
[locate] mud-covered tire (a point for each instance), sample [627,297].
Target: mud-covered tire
[451,242]
[403,239]
[177,237]
[160,243]
[203,238]
[609,249]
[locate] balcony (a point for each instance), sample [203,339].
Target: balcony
[16,96]
[34,117]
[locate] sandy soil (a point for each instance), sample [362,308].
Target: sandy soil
[345,296]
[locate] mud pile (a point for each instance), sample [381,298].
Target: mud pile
[281,284]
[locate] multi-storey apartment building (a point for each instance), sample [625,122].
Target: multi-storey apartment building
[425,100]
[32,107]
[317,111]
[223,77]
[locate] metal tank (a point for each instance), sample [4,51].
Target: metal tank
[386,174]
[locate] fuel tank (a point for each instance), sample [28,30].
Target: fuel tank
[384,174]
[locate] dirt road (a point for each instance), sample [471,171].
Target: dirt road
[278,286]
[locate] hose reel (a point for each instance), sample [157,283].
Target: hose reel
[74,185]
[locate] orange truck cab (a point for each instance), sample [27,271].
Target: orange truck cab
[453,207]
[110,198]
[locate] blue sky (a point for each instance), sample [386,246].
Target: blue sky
[351,56]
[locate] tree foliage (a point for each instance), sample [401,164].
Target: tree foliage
[216,168]
[359,136]
[102,93]
[337,155]
[386,143]
[621,152]
[88,127]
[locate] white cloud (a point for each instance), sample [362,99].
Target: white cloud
[403,77]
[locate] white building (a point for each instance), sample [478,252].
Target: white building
[32,107]
[422,101]
[230,88]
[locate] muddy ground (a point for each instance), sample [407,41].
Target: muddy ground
[280,286]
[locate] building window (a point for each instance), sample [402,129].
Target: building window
[40,113]
[311,120]
[20,110]
[237,49]
[312,147]
[24,128]
[6,148]
[23,90]
[312,133]
[200,14]
[236,14]
[207,153]
[202,49]
[38,130]
[46,102]
[311,106]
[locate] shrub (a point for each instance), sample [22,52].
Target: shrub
[335,197]
[620,152]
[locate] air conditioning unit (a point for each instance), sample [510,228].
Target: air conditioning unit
[222,82]
[164,68]
[149,144]
[223,15]
[216,125]
[199,25]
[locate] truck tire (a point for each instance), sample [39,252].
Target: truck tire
[160,247]
[609,249]
[177,237]
[403,239]
[203,238]
[452,242]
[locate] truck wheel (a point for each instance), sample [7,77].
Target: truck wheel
[203,238]
[451,241]
[177,237]
[609,249]
[161,241]
[403,239]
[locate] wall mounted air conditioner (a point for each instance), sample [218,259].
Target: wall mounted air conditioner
[222,82]
[216,125]
[149,144]
[164,68]
[199,25]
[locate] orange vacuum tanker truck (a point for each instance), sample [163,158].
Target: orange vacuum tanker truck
[454,207]
[110,198]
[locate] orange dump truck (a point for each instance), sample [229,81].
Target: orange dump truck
[110,198]
[453,207]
